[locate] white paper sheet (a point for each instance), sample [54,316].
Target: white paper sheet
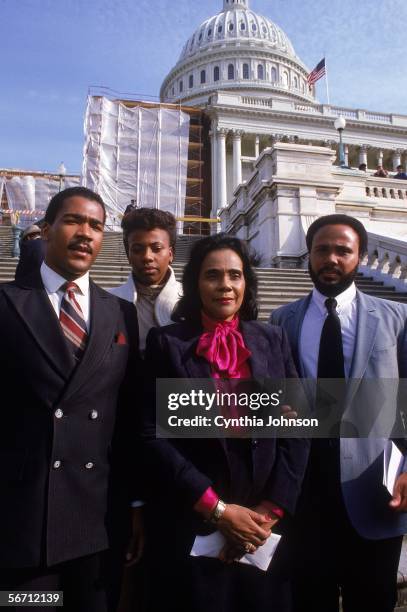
[392,463]
[211,545]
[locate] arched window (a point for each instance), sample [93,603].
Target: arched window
[231,26]
[273,75]
[245,71]
[284,78]
[181,86]
[242,26]
[260,72]
[191,81]
[172,91]
[231,72]
[220,28]
[203,76]
[209,32]
[295,82]
[254,27]
[216,73]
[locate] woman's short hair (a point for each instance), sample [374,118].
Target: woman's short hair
[189,306]
[148,219]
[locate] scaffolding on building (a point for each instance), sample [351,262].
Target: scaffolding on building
[193,211]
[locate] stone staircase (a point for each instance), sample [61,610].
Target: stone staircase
[184,245]
[276,286]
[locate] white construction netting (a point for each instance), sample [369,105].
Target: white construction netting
[28,196]
[138,154]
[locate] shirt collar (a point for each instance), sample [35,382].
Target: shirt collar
[53,281]
[344,299]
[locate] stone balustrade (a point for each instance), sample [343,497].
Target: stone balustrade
[305,108]
[383,118]
[386,261]
[316,109]
[256,101]
[393,189]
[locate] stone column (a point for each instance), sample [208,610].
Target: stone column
[257,146]
[221,167]
[363,155]
[346,154]
[396,159]
[214,167]
[380,157]
[237,157]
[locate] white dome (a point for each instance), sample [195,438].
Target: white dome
[239,50]
[237,25]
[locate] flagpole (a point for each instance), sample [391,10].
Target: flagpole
[326,82]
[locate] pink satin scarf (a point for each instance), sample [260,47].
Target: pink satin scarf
[222,345]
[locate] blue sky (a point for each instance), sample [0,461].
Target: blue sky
[52,50]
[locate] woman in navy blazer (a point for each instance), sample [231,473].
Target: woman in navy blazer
[240,486]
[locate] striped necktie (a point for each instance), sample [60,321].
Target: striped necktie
[72,321]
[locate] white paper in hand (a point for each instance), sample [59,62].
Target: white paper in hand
[392,464]
[211,545]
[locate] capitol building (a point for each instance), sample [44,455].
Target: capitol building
[274,148]
[240,143]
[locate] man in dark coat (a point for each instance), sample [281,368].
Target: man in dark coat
[32,252]
[68,348]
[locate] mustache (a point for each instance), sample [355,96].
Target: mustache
[81,244]
[330,269]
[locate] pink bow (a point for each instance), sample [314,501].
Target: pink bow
[222,345]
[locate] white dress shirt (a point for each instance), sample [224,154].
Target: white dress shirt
[53,283]
[313,323]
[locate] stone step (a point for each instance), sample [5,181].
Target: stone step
[276,286]
[123,268]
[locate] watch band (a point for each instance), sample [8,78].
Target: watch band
[218,511]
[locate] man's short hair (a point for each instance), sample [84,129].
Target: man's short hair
[338,219]
[30,230]
[57,202]
[399,167]
[147,219]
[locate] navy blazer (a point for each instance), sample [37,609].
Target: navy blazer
[184,468]
[52,512]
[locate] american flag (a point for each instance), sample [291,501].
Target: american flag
[317,73]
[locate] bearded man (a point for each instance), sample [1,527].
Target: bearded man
[348,530]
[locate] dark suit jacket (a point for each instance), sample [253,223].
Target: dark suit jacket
[50,514]
[32,253]
[181,470]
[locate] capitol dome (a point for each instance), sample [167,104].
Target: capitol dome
[238,50]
